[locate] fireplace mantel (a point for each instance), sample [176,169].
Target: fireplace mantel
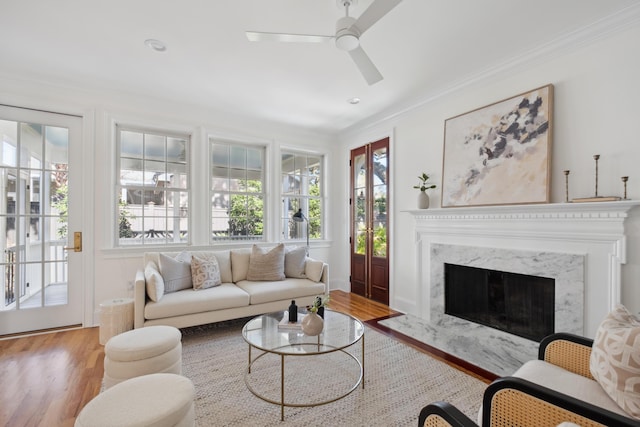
[594,230]
[593,210]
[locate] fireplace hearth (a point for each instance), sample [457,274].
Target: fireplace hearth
[519,304]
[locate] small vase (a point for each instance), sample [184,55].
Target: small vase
[312,324]
[423,200]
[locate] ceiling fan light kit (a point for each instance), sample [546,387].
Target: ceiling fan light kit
[347,37]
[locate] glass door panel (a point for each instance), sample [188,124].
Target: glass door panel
[35,214]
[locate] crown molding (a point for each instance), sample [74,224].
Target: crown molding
[584,36]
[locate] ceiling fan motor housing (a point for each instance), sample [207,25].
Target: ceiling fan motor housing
[347,35]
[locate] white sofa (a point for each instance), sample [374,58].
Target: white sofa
[235,297]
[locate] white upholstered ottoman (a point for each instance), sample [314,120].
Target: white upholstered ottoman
[143,351]
[158,400]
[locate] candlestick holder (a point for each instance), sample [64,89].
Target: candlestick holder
[566,186]
[596,157]
[624,180]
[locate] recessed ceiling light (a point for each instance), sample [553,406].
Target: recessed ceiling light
[353,101]
[156,45]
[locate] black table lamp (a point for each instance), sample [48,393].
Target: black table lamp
[299,217]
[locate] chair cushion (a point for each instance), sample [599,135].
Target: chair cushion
[615,359]
[566,382]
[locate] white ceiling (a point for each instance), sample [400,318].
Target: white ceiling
[421,48]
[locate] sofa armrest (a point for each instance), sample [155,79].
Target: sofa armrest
[568,351]
[139,299]
[517,402]
[443,414]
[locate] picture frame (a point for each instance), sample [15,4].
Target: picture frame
[500,154]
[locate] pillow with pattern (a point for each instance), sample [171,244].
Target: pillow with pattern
[205,272]
[615,359]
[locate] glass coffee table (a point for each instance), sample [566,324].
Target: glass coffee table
[341,331]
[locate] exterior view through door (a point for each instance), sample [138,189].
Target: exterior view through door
[39,288]
[369,231]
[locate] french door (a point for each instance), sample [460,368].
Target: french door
[369,231]
[39,197]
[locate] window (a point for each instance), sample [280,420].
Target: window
[302,191]
[237,191]
[153,187]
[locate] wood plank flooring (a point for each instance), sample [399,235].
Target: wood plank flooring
[46,379]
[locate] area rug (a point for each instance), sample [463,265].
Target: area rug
[399,381]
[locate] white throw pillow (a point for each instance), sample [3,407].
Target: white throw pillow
[205,272]
[176,272]
[294,260]
[313,269]
[240,264]
[154,282]
[266,265]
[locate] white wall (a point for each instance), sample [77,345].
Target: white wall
[110,272]
[597,94]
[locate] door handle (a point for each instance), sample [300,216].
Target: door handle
[77,242]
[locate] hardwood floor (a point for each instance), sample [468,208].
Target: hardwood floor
[48,378]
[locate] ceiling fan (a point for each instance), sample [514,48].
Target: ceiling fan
[347,36]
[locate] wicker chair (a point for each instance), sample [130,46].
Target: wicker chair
[516,402]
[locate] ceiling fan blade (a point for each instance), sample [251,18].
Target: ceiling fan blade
[366,67]
[256,36]
[374,13]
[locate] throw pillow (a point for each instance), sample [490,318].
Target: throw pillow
[265,265]
[176,272]
[205,272]
[294,262]
[240,264]
[313,269]
[154,281]
[615,359]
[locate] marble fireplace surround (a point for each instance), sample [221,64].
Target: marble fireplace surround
[581,245]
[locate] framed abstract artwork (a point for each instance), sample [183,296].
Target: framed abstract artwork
[500,154]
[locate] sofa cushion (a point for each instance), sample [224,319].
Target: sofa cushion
[240,264]
[313,269]
[176,272]
[188,301]
[615,359]
[261,292]
[154,281]
[294,260]
[205,272]
[566,382]
[266,264]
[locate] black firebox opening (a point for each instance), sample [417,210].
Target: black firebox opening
[516,303]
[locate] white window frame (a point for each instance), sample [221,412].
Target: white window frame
[285,214]
[185,222]
[221,193]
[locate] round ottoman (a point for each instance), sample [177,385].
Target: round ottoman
[158,400]
[143,351]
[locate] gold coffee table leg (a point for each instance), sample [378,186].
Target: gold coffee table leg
[282,387]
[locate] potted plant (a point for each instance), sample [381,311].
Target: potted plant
[423,197]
